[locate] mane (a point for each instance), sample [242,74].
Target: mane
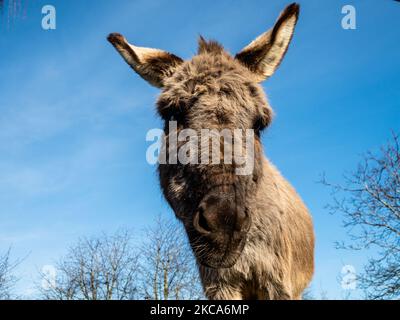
[209,46]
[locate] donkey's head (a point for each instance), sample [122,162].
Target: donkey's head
[215,91]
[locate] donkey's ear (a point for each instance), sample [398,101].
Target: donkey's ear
[153,65]
[264,54]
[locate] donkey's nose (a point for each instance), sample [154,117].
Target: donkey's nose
[219,214]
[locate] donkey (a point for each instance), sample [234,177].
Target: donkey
[252,236]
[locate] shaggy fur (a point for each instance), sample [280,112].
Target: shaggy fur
[259,242]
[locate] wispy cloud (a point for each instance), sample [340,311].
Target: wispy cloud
[56,173]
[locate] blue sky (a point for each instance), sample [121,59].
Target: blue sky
[73,116]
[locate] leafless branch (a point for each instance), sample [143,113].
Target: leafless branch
[369,201]
[98,268]
[168,268]
[7,277]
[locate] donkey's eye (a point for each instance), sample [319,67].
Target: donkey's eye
[170,110]
[173,111]
[176,110]
[259,124]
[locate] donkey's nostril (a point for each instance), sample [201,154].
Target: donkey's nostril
[220,215]
[203,222]
[200,222]
[242,220]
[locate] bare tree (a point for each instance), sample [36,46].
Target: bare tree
[98,268]
[369,201]
[7,278]
[308,294]
[168,268]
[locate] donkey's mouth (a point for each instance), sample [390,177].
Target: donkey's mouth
[218,263]
[214,257]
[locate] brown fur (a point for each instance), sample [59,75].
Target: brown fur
[259,243]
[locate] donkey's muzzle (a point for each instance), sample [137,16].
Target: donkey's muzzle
[222,225]
[219,213]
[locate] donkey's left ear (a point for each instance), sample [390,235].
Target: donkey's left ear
[265,53]
[153,65]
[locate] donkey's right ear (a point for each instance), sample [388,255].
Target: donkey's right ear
[264,54]
[153,65]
